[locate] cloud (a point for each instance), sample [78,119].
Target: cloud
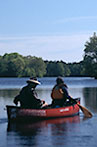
[68,48]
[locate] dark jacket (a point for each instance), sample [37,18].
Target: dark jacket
[28,98]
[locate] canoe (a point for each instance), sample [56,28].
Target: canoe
[16,113]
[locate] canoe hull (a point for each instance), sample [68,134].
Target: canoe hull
[17,113]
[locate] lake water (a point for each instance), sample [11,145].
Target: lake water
[70,132]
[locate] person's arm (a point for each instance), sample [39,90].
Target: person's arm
[67,96]
[16,99]
[34,95]
[65,93]
[38,100]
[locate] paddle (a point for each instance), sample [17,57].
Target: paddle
[86,112]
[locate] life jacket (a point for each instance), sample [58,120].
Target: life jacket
[57,92]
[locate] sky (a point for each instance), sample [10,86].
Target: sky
[51,29]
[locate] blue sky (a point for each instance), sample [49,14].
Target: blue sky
[51,29]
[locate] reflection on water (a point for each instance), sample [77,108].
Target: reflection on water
[29,126]
[54,132]
[8,93]
[90,97]
[32,133]
[74,131]
[48,82]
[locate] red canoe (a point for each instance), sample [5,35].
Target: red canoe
[18,113]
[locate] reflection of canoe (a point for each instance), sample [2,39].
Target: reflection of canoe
[28,127]
[18,113]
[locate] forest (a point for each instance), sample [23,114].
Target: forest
[16,65]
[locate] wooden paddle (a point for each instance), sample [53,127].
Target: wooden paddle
[86,112]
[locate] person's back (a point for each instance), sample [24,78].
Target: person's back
[59,93]
[28,96]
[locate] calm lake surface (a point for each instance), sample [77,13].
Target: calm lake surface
[69,132]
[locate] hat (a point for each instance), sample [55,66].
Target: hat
[33,80]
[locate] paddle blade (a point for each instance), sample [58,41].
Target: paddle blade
[86,112]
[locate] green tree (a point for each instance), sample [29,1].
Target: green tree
[12,65]
[3,67]
[29,72]
[76,69]
[90,57]
[36,65]
[66,69]
[55,69]
[16,67]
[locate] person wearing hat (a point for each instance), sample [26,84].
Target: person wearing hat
[28,96]
[59,93]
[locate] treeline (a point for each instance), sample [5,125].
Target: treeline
[16,65]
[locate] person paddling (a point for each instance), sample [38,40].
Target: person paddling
[59,93]
[28,97]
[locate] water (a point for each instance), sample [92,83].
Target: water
[73,131]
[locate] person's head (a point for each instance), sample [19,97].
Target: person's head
[59,80]
[33,82]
